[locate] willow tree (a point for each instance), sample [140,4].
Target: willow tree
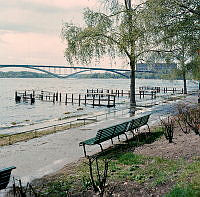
[118,31]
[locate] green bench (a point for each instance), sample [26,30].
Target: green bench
[5,176]
[115,131]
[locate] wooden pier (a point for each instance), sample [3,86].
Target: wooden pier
[107,100]
[94,97]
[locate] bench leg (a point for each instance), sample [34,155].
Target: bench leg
[126,137]
[101,147]
[84,150]
[118,138]
[137,135]
[111,140]
[149,128]
[133,133]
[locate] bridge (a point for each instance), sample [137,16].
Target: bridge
[80,69]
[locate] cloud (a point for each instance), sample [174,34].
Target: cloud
[42,16]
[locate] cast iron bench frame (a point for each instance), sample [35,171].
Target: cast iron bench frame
[115,131]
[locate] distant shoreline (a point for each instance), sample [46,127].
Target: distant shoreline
[105,75]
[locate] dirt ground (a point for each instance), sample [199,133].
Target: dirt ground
[184,146]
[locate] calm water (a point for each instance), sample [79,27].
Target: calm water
[26,114]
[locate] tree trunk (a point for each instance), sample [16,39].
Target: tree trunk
[132,85]
[184,84]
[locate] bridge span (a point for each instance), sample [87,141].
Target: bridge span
[80,68]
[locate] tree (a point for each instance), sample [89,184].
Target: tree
[176,25]
[194,67]
[117,31]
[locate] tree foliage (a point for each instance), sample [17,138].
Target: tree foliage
[118,31]
[176,27]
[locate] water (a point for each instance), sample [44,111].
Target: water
[14,115]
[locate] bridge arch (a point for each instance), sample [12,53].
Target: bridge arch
[83,69]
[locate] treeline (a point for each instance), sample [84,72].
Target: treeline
[106,75]
[139,75]
[23,74]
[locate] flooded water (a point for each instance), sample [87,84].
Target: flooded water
[14,115]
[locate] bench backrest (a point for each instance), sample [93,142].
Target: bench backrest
[5,177]
[122,128]
[105,134]
[145,119]
[111,132]
[138,122]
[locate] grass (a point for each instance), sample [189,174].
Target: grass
[183,192]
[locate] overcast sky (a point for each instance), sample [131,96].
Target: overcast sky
[30,29]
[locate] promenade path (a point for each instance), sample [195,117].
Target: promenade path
[39,156]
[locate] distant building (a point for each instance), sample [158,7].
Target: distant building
[156,66]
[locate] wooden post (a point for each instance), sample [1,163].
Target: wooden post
[32,99]
[85,99]
[53,97]
[16,96]
[56,96]
[72,99]
[114,100]
[111,91]
[140,92]
[122,93]
[99,99]
[60,97]
[42,96]
[66,98]
[79,100]
[93,101]
[118,93]
[108,100]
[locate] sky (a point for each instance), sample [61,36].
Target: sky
[30,29]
